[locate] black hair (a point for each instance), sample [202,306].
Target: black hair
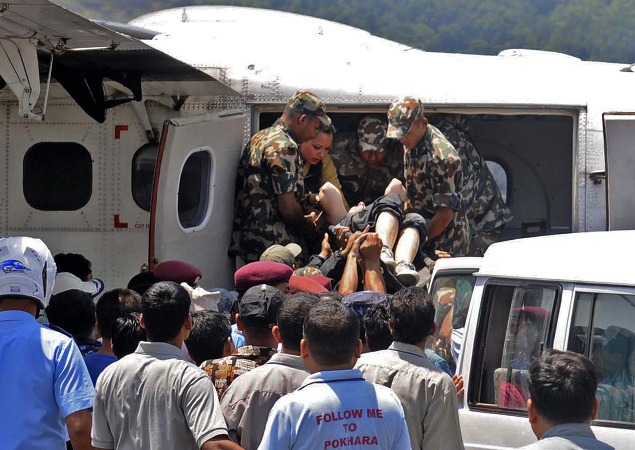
[331,331]
[411,315]
[328,129]
[165,307]
[73,311]
[209,334]
[562,386]
[376,325]
[141,282]
[290,318]
[73,263]
[126,335]
[114,304]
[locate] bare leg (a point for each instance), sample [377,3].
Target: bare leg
[395,187]
[386,228]
[407,246]
[332,204]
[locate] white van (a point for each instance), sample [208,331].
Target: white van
[570,292]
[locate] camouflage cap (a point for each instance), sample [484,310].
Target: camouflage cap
[402,114]
[371,133]
[307,102]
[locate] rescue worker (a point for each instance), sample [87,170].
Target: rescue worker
[366,161]
[270,203]
[486,210]
[434,176]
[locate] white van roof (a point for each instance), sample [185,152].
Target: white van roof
[603,257]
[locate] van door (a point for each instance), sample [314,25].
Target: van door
[619,143]
[193,194]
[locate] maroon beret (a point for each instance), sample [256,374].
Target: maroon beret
[322,280]
[177,271]
[305,284]
[261,272]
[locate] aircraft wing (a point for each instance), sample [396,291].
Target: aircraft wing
[84,55]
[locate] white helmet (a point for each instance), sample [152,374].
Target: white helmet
[27,269]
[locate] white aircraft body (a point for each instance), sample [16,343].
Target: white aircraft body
[126,149]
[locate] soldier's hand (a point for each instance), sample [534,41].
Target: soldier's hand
[370,248]
[442,254]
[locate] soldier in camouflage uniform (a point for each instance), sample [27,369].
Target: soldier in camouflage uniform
[486,211]
[269,185]
[366,161]
[434,176]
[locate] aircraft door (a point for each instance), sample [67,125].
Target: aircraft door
[619,145]
[193,195]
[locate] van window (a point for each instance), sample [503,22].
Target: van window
[604,330]
[500,176]
[516,325]
[194,184]
[143,163]
[451,295]
[57,176]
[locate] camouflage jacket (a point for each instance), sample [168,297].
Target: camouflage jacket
[484,205]
[434,177]
[223,371]
[361,183]
[270,165]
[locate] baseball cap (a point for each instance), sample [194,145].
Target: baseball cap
[306,102]
[66,281]
[27,269]
[360,301]
[285,254]
[403,112]
[260,304]
[261,272]
[371,133]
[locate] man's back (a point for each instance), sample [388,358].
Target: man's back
[337,408]
[248,400]
[569,436]
[42,380]
[268,167]
[426,392]
[153,398]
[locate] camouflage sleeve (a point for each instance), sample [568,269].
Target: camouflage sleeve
[282,167]
[447,178]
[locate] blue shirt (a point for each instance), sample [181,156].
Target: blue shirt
[96,363]
[237,337]
[43,379]
[337,408]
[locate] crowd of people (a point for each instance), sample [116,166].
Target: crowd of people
[323,344]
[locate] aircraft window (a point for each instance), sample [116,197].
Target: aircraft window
[193,196]
[516,326]
[143,163]
[451,295]
[604,331]
[57,176]
[500,176]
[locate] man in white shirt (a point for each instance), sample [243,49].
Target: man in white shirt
[335,407]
